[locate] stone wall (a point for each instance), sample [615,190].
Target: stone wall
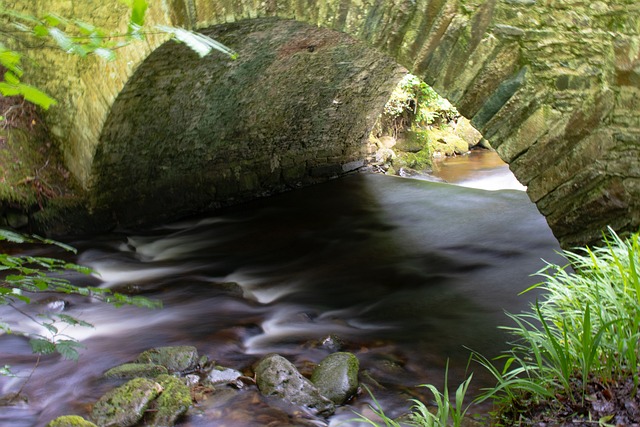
[553,84]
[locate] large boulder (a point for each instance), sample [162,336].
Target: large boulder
[276,376]
[337,376]
[125,406]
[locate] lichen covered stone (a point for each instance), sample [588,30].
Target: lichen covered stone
[276,376]
[174,401]
[136,370]
[125,406]
[175,359]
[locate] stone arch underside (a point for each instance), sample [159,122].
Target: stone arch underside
[188,134]
[555,86]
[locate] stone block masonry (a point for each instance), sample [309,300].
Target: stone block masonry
[553,84]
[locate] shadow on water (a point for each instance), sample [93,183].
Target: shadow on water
[405,272]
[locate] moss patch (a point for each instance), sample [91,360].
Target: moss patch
[70,421]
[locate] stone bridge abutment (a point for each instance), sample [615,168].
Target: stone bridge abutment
[553,84]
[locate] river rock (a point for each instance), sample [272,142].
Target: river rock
[221,375]
[125,406]
[337,376]
[276,376]
[70,421]
[175,359]
[136,370]
[174,402]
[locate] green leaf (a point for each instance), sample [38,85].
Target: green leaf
[85,27]
[74,321]
[50,328]
[29,93]
[138,11]
[63,41]
[199,43]
[13,236]
[40,31]
[10,60]
[42,346]
[53,20]
[68,349]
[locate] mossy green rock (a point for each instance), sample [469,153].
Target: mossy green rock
[70,421]
[174,401]
[136,370]
[337,376]
[125,405]
[175,359]
[277,377]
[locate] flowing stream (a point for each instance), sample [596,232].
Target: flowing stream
[407,273]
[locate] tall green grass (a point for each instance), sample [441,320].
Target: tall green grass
[586,327]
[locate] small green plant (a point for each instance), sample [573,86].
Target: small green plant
[414,104]
[447,413]
[24,276]
[379,412]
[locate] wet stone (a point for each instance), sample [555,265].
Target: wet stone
[221,375]
[174,402]
[175,359]
[136,370]
[125,405]
[276,376]
[337,376]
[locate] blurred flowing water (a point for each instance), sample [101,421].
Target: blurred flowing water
[406,273]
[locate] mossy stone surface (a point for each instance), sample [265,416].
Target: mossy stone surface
[70,421]
[174,402]
[125,406]
[277,377]
[174,358]
[136,370]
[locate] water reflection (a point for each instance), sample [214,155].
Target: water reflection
[482,169]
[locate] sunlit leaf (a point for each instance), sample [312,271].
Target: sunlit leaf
[63,41]
[106,54]
[29,93]
[10,60]
[54,20]
[12,236]
[138,11]
[199,43]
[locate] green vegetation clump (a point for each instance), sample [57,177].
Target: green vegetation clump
[577,348]
[414,104]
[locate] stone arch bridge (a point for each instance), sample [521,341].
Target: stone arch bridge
[553,84]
